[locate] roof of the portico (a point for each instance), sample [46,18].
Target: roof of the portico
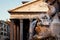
[33,6]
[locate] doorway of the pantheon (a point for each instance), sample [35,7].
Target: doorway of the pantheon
[26,25]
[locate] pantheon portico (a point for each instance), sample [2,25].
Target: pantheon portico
[22,16]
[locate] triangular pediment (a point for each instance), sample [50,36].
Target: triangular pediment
[35,6]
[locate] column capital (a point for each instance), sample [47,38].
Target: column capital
[30,20]
[21,20]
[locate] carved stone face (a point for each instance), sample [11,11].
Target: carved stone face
[45,19]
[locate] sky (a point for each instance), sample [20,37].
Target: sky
[5,5]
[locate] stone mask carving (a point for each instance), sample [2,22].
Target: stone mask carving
[45,19]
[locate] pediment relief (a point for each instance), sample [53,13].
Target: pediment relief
[37,6]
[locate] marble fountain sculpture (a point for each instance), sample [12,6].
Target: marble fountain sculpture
[52,32]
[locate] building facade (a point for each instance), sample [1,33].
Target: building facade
[22,16]
[4,31]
